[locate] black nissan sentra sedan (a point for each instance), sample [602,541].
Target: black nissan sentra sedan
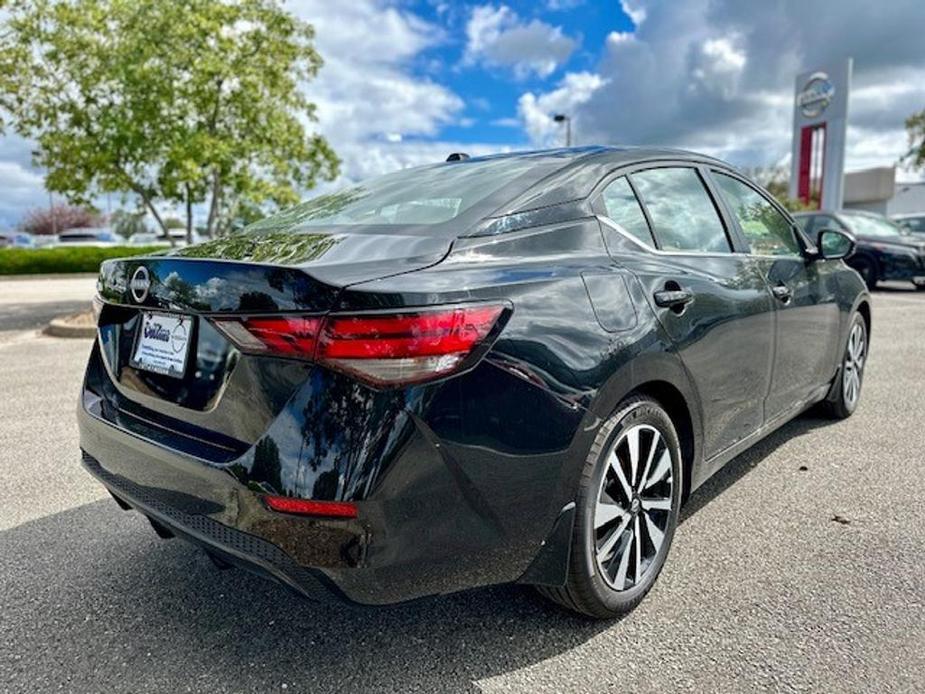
[512,368]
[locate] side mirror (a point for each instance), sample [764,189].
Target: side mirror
[834,244]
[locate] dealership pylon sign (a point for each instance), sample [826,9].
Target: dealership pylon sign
[820,119]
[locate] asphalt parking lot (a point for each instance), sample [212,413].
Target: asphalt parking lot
[799,567]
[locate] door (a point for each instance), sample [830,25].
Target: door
[711,301]
[804,291]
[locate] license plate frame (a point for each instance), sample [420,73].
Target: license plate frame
[162,343]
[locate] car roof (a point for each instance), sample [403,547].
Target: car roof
[862,213]
[624,154]
[85,230]
[576,170]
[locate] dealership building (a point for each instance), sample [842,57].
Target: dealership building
[876,190]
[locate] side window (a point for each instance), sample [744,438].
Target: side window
[767,231]
[623,208]
[827,221]
[681,210]
[808,224]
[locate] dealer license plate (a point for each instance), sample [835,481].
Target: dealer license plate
[162,343]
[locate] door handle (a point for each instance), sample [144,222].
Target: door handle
[782,293]
[673,298]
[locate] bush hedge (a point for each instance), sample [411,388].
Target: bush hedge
[40,261]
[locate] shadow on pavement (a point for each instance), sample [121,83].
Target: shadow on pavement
[898,288]
[92,602]
[745,462]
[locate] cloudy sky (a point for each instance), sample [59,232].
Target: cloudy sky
[408,82]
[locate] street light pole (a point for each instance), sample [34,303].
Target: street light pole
[562,118]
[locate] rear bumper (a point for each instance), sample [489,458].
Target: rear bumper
[427,531]
[235,547]
[206,504]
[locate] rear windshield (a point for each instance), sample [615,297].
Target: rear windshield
[426,196]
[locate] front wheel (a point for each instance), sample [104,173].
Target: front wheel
[843,401]
[627,510]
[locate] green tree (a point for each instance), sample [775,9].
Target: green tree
[776,180]
[915,129]
[189,103]
[126,224]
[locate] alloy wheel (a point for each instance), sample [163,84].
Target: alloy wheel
[854,364]
[633,507]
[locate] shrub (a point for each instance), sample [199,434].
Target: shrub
[60,218]
[34,261]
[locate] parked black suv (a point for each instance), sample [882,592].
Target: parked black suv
[884,250]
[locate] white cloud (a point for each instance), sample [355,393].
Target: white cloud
[366,88]
[372,106]
[717,66]
[22,189]
[634,10]
[560,5]
[718,76]
[496,36]
[506,122]
[537,112]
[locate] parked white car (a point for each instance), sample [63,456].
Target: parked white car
[87,237]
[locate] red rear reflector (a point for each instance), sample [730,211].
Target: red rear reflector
[383,349]
[306,507]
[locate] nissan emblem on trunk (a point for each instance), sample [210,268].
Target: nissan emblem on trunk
[140,284]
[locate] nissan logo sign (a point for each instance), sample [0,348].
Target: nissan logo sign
[140,284]
[816,95]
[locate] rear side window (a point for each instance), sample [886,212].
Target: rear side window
[623,209]
[767,231]
[682,212]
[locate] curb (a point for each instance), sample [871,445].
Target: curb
[50,276]
[60,328]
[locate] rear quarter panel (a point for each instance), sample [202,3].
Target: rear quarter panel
[491,456]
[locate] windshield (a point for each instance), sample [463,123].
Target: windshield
[426,195]
[863,225]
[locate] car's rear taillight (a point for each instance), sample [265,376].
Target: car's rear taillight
[382,349]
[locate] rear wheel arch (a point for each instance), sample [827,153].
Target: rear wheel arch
[864,309]
[675,404]
[661,376]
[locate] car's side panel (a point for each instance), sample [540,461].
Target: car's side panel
[724,336]
[806,314]
[808,328]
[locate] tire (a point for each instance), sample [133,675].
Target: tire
[607,577]
[843,401]
[920,286]
[867,269]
